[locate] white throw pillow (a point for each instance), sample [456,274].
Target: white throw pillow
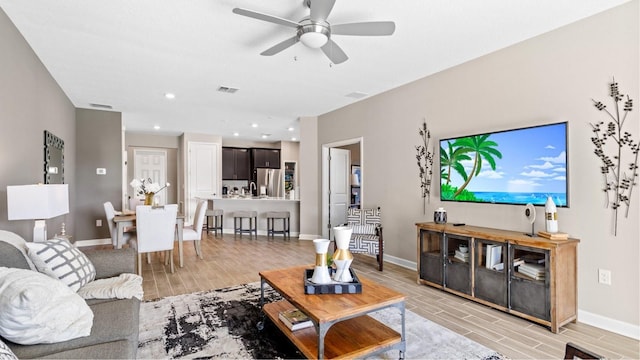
[6,353]
[36,309]
[61,260]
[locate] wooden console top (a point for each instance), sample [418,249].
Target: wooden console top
[514,237]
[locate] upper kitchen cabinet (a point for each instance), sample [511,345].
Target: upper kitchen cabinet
[236,164]
[266,158]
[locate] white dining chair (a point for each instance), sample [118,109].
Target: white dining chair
[194,232]
[156,227]
[129,233]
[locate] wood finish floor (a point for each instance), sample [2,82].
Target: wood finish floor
[230,260]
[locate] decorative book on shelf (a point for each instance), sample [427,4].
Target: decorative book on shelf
[295,319]
[553,236]
[464,257]
[494,256]
[533,271]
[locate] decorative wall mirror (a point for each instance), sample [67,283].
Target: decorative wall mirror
[53,159]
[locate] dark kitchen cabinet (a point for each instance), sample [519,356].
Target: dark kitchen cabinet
[266,158]
[236,164]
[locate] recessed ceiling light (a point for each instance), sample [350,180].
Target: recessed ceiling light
[291,128]
[236,134]
[254,125]
[156,127]
[170,95]
[294,139]
[264,136]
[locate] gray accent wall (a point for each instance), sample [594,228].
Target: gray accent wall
[549,78]
[99,139]
[30,103]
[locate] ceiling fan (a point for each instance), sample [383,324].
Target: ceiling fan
[315,32]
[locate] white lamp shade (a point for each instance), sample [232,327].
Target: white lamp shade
[43,201]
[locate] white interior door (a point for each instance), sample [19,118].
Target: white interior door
[339,190]
[152,164]
[202,172]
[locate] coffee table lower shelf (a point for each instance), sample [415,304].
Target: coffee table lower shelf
[351,338]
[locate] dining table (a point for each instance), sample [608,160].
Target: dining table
[128,219]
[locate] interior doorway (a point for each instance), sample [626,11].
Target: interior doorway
[151,164]
[339,161]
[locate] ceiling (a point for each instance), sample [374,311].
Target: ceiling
[129,54]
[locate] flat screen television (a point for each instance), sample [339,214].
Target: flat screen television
[516,166]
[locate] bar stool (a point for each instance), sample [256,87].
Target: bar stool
[218,217]
[286,228]
[253,222]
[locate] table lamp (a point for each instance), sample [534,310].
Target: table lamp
[37,202]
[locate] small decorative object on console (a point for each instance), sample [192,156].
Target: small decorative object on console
[440,216]
[530,214]
[550,216]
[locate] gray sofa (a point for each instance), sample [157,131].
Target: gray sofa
[114,334]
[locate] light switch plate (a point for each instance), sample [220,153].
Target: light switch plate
[101,171]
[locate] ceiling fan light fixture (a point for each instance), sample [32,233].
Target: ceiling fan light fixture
[314,35]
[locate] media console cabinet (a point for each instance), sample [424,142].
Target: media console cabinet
[548,297]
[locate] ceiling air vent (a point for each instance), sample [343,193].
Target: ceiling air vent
[101,106]
[226,89]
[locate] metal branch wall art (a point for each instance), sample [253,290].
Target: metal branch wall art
[619,176]
[424,155]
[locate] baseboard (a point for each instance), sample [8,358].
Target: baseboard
[93,242]
[411,265]
[613,325]
[309,237]
[260,232]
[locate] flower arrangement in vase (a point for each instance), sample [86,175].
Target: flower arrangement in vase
[147,188]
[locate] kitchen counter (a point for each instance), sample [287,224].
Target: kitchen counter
[260,204]
[252,198]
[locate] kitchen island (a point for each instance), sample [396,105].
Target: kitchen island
[262,205]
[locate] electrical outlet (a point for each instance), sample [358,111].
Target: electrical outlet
[604,276]
[98,223]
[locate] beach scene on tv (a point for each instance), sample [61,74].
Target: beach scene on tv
[509,167]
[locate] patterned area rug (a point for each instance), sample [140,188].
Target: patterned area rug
[222,324]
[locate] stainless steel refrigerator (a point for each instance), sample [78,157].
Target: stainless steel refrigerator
[272,181]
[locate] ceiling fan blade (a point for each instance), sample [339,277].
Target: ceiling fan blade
[280,46]
[320,9]
[265,17]
[334,52]
[374,28]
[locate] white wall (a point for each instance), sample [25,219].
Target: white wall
[309,179]
[550,78]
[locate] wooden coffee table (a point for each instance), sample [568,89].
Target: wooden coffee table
[342,328]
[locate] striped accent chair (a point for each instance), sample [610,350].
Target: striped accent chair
[367,233]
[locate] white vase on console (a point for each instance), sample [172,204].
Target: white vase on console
[321,270]
[342,257]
